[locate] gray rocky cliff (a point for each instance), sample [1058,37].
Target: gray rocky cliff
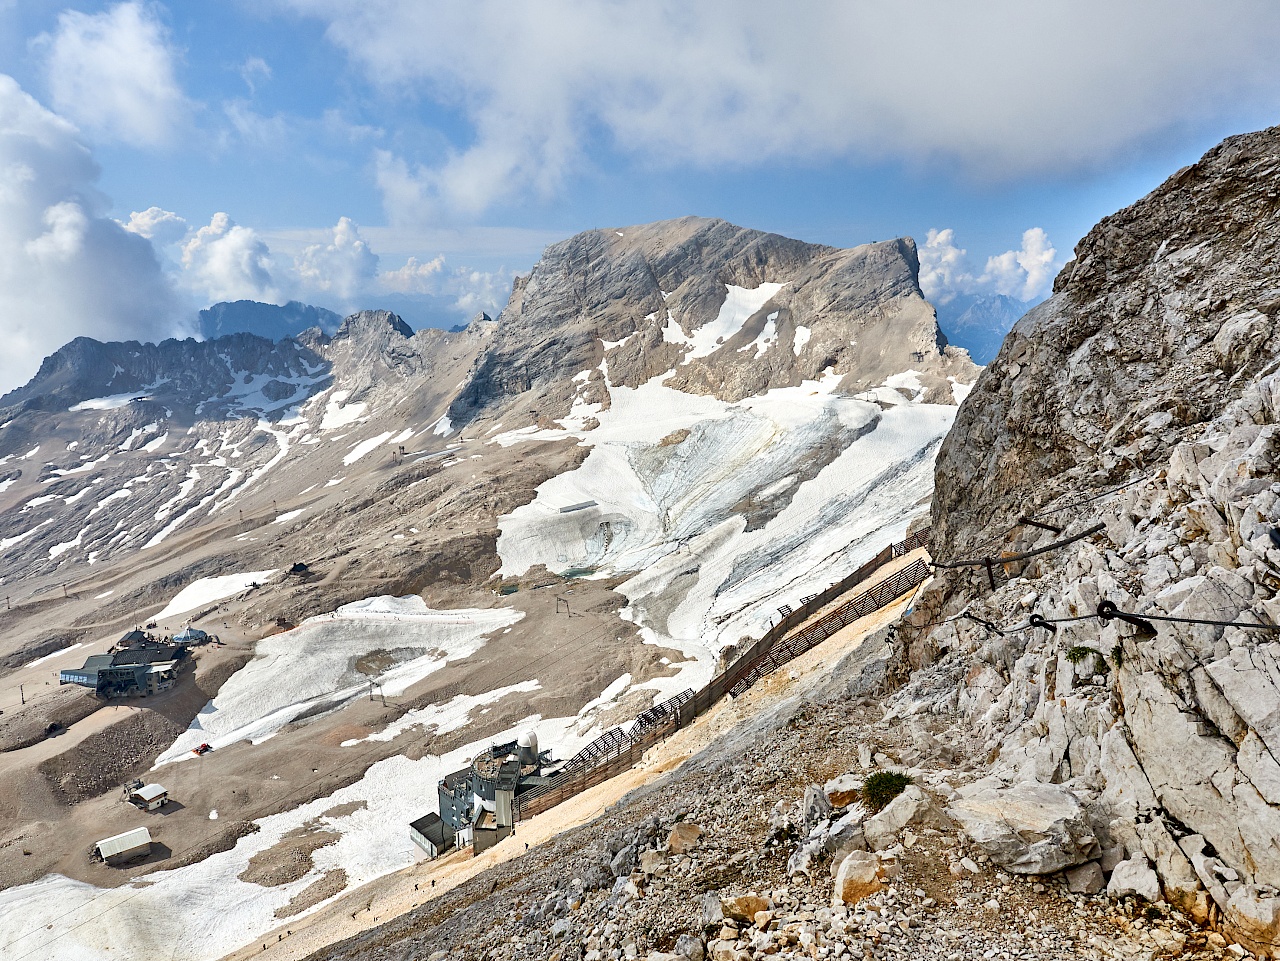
[1145,396]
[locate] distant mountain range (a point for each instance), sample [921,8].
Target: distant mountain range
[979,322]
[266,320]
[976,322]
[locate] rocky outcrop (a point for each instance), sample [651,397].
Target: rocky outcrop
[1143,395]
[1030,828]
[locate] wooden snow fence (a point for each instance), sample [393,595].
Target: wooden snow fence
[620,748]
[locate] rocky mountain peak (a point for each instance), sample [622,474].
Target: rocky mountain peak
[376,324]
[722,310]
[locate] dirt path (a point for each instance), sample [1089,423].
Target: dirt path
[876,577]
[29,757]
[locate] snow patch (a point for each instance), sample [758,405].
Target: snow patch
[366,447]
[801,339]
[337,413]
[315,667]
[740,303]
[49,657]
[209,589]
[440,719]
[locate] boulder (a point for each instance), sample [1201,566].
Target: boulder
[860,875]
[1030,828]
[712,912]
[683,837]
[843,790]
[744,907]
[1085,879]
[1253,920]
[815,807]
[688,946]
[623,861]
[912,806]
[1134,878]
[801,861]
[652,861]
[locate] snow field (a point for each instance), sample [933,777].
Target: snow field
[446,718]
[209,589]
[673,513]
[366,447]
[739,304]
[313,668]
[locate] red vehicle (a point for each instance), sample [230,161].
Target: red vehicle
[204,748]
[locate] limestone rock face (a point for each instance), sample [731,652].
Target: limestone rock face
[1030,828]
[1144,395]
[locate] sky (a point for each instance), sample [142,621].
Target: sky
[157,157]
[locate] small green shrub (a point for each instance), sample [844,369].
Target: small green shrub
[1078,654]
[882,787]
[1117,656]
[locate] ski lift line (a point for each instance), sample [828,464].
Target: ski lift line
[257,812]
[1013,558]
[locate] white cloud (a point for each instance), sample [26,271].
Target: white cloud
[113,74]
[476,290]
[1001,90]
[225,261]
[1024,274]
[66,270]
[253,70]
[162,226]
[344,267]
[256,129]
[414,277]
[944,270]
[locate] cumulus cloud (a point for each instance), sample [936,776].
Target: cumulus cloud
[163,226]
[476,290]
[66,269]
[225,261]
[415,277]
[1024,274]
[344,267]
[734,82]
[113,74]
[944,272]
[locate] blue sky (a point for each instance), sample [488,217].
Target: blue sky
[157,157]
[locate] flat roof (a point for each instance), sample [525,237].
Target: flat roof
[122,843]
[145,655]
[150,792]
